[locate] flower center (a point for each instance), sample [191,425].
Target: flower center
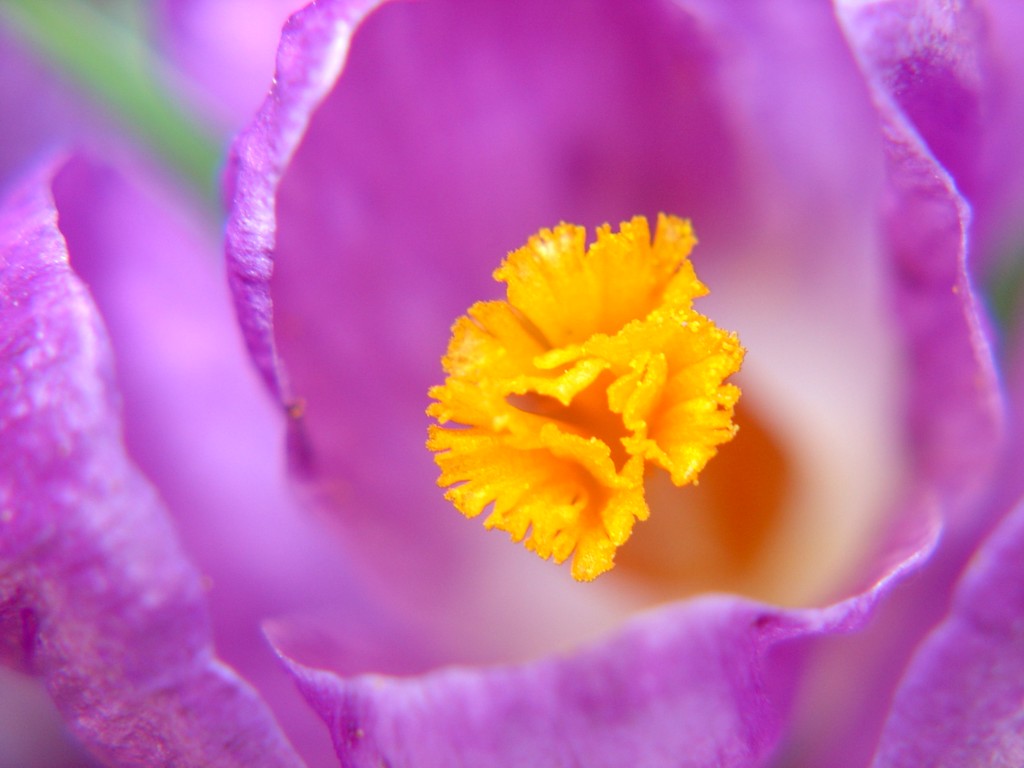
[588,416]
[595,372]
[714,536]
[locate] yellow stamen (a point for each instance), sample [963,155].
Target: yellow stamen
[595,370]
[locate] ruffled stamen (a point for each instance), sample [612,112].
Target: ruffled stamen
[595,370]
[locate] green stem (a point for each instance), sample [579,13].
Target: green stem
[1005,293]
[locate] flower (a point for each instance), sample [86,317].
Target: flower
[369,199]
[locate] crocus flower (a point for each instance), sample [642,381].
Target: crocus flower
[841,589]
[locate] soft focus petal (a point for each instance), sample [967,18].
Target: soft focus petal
[960,703]
[199,424]
[936,83]
[954,403]
[96,597]
[32,734]
[956,72]
[40,111]
[934,61]
[225,47]
[955,427]
[1007,213]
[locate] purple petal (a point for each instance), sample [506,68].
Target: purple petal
[706,682]
[934,64]
[32,734]
[955,420]
[105,606]
[960,702]
[679,688]
[199,424]
[382,225]
[1007,208]
[226,48]
[47,112]
[954,70]
[590,159]
[310,54]
[419,169]
[955,408]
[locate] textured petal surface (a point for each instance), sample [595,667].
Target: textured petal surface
[309,56]
[706,682]
[96,596]
[675,689]
[960,703]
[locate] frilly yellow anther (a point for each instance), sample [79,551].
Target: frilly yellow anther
[595,370]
